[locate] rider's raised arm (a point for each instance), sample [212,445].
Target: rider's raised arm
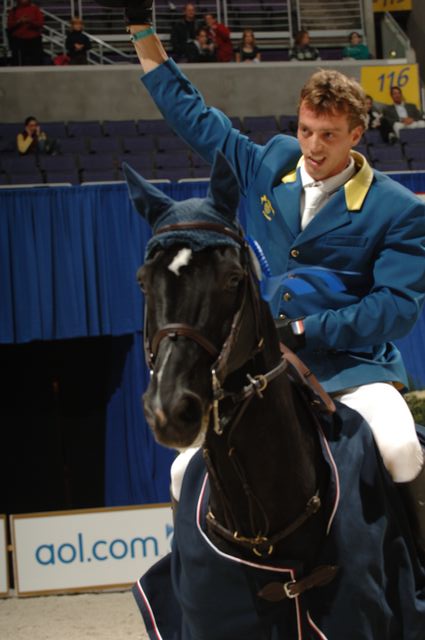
[205,129]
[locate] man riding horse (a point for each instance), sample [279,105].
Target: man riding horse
[316,205]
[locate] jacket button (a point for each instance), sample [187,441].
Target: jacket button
[287,296]
[295,253]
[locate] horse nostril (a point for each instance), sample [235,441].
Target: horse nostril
[187,409]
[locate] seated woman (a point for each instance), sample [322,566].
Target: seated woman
[302,49]
[248,50]
[356,49]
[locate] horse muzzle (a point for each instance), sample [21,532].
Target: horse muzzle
[179,422]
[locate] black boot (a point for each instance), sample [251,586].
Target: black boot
[413,493]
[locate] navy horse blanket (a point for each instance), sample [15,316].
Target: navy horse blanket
[200,593]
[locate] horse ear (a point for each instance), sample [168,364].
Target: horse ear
[148,200]
[224,188]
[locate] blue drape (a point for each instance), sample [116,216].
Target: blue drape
[137,469]
[68,259]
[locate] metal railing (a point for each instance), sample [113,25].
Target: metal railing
[395,43]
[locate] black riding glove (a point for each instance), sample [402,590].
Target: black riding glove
[291,333]
[136,11]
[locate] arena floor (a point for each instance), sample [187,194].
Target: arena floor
[95,616]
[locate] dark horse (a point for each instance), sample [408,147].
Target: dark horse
[288,526]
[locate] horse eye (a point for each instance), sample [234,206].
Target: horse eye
[233,281]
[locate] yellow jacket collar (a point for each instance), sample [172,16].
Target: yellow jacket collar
[356,189]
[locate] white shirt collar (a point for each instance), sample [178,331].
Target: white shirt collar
[329,185]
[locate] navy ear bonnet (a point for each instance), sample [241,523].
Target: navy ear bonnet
[219,207]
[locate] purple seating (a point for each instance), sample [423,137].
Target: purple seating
[396,165]
[19,164]
[414,152]
[173,159]
[33,177]
[103,175]
[139,161]
[386,153]
[55,129]
[4,179]
[201,172]
[11,129]
[58,163]
[120,128]
[154,127]
[137,144]
[372,136]
[96,162]
[198,161]
[417,165]
[8,145]
[288,123]
[362,148]
[236,122]
[173,173]
[148,173]
[72,145]
[53,177]
[260,123]
[84,129]
[415,136]
[170,143]
[105,145]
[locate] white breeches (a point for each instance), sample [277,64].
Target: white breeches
[389,417]
[393,427]
[397,126]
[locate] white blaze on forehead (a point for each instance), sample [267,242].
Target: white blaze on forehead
[181,259]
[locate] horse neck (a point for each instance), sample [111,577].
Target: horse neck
[268,463]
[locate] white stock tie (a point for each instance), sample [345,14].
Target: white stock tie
[314,198]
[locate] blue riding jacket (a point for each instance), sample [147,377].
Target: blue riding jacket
[356,273]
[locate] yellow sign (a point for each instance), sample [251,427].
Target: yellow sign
[377,82]
[392,5]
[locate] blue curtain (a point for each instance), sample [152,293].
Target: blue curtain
[137,468]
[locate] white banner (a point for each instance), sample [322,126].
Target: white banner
[82,550]
[4,570]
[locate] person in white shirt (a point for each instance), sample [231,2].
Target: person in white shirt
[401,114]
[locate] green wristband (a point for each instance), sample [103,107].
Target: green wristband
[139,35]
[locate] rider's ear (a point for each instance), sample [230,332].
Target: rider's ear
[148,200]
[224,188]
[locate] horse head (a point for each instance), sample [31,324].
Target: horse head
[198,284]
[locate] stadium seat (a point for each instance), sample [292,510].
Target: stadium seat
[260,123]
[72,145]
[154,127]
[19,164]
[85,129]
[33,177]
[395,165]
[55,129]
[170,143]
[138,144]
[96,162]
[174,173]
[414,136]
[120,128]
[71,176]
[103,175]
[178,159]
[58,163]
[105,145]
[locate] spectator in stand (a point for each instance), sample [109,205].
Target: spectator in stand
[34,140]
[375,120]
[402,115]
[248,50]
[24,25]
[183,32]
[356,49]
[200,50]
[302,50]
[219,35]
[77,43]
